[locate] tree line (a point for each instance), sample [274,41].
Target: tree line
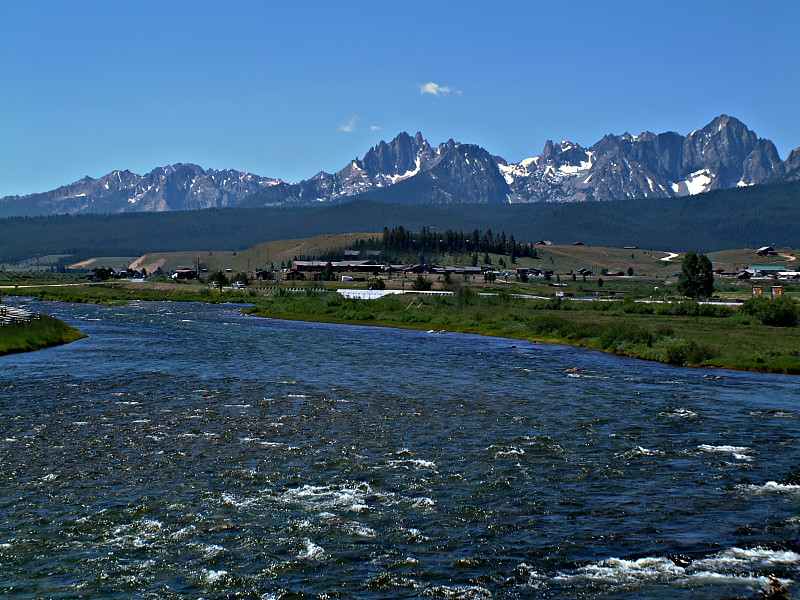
[428,241]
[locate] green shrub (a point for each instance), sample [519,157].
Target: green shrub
[778,312]
[421,284]
[547,324]
[630,306]
[679,351]
[465,296]
[623,333]
[712,310]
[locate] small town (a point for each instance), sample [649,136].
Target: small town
[363,300]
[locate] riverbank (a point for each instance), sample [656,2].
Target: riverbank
[35,335]
[679,333]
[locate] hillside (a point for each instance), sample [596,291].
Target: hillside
[561,259]
[262,255]
[737,218]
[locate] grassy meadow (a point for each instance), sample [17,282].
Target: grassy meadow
[42,333]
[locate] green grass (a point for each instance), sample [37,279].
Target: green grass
[114,294]
[42,333]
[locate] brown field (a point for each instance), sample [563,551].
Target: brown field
[257,257]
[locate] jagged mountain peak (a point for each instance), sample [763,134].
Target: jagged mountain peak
[723,121]
[792,165]
[723,153]
[725,125]
[396,157]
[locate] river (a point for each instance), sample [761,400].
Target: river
[188,451]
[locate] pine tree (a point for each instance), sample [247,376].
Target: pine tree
[689,279]
[705,277]
[697,277]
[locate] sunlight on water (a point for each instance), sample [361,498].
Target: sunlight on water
[187,451]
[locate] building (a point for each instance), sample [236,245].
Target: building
[101,274]
[356,266]
[765,270]
[184,274]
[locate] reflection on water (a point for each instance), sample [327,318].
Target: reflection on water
[188,451]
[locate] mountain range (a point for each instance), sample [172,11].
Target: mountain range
[409,170]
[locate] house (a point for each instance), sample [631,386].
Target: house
[615,273]
[129,273]
[308,265]
[264,275]
[458,270]
[394,268]
[766,251]
[294,275]
[358,266]
[417,268]
[543,243]
[101,274]
[184,274]
[727,273]
[765,270]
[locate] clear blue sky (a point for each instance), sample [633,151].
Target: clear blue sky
[287,89]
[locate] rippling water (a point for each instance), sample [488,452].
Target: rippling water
[186,451]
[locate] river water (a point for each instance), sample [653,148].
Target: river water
[187,451]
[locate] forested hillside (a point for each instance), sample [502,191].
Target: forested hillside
[744,217]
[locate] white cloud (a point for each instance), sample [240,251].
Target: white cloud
[374,128]
[349,126]
[434,89]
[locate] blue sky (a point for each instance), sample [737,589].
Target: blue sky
[285,89]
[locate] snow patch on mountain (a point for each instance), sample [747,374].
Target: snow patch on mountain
[723,154]
[410,173]
[696,183]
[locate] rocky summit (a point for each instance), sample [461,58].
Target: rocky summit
[723,154]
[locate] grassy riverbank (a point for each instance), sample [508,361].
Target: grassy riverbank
[35,335]
[676,333]
[680,333]
[118,293]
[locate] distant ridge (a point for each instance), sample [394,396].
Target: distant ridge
[408,170]
[735,218]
